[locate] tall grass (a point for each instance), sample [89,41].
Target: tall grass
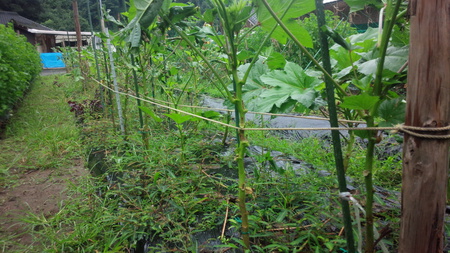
[42,132]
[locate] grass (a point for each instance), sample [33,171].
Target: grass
[319,152]
[41,134]
[158,197]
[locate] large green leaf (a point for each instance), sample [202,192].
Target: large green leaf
[254,86]
[341,57]
[362,46]
[369,34]
[146,11]
[286,85]
[180,118]
[209,15]
[135,36]
[178,12]
[394,60]
[211,114]
[360,102]
[297,9]
[392,112]
[150,113]
[142,13]
[276,61]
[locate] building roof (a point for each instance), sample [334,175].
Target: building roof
[52,32]
[8,16]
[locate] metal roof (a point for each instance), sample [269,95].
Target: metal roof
[8,16]
[69,33]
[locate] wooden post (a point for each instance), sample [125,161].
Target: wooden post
[77,24]
[426,160]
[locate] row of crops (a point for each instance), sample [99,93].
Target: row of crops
[151,75]
[19,65]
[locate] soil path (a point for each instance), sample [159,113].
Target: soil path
[38,193]
[33,192]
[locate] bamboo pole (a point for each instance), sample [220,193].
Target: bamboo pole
[340,169]
[113,72]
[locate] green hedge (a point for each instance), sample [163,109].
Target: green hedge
[19,65]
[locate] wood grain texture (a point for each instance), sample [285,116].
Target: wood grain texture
[426,161]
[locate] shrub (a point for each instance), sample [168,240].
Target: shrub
[19,65]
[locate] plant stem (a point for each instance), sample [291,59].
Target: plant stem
[141,119]
[377,91]
[334,123]
[387,31]
[348,152]
[94,47]
[369,188]
[183,141]
[225,134]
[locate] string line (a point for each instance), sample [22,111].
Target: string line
[398,128]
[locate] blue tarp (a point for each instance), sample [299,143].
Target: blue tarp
[52,60]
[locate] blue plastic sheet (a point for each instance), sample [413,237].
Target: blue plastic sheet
[52,60]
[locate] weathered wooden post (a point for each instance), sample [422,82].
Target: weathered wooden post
[77,24]
[426,159]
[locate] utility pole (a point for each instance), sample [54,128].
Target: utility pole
[426,158]
[77,24]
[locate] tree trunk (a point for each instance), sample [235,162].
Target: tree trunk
[426,160]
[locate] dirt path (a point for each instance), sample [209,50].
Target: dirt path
[39,192]
[27,189]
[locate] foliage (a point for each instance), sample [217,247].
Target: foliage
[91,108]
[294,54]
[148,199]
[58,14]
[41,134]
[19,65]
[280,90]
[289,11]
[26,8]
[167,179]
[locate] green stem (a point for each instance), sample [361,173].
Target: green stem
[110,99]
[387,31]
[348,152]
[182,142]
[141,118]
[94,47]
[242,189]
[369,188]
[225,135]
[242,147]
[231,51]
[334,123]
[377,91]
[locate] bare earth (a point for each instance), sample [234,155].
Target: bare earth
[40,192]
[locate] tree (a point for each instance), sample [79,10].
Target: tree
[28,8]
[58,15]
